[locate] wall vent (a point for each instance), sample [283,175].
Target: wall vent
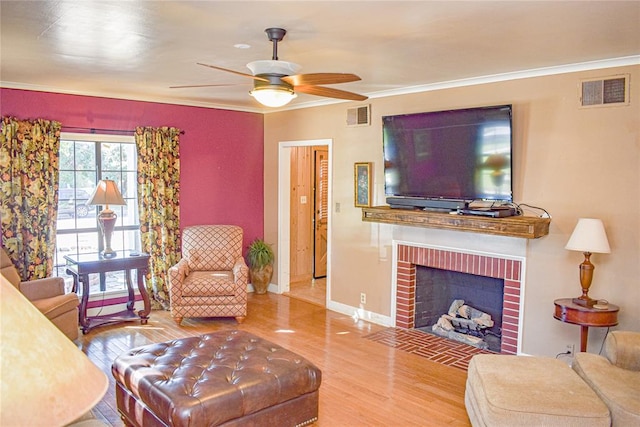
[359,116]
[607,91]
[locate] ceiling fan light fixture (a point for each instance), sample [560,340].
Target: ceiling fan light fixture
[270,96]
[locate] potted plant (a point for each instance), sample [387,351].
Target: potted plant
[260,258]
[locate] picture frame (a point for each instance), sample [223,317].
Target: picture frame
[362,184]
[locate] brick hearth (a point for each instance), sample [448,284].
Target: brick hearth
[509,270]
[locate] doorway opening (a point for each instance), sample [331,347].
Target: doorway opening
[304,241]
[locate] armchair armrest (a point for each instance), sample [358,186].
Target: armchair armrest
[241,272]
[622,348]
[42,288]
[177,273]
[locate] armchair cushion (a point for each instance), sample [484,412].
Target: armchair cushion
[208,260]
[9,272]
[56,306]
[42,288]
[209,283]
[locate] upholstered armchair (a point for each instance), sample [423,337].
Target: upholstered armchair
[47,295]
[211,278]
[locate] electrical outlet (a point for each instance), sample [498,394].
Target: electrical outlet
[571,348]
[363,298]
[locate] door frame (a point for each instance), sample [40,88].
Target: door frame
[284,212]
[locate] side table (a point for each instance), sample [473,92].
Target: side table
[81,266]
[567,311]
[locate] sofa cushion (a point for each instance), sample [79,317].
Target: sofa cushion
[507,390]
[618,388]
[622,348]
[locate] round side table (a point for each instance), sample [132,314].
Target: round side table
[567,311]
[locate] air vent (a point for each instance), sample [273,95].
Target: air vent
[608,91]
[359,116]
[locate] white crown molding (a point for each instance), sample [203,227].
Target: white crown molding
[494,78]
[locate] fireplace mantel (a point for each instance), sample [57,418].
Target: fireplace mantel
[526,227]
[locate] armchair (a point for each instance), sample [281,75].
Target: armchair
[47,295]
[615,377]
[211,278]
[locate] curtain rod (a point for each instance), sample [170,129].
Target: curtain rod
[95,130]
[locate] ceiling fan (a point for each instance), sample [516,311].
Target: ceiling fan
[276,82]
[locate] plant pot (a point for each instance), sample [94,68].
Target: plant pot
[260,278]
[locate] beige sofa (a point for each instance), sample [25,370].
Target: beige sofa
[615,376]
[505,390]
[47,295]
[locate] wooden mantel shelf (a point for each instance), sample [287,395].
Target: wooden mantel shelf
[527,227]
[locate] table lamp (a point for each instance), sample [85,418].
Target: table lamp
[588,237]
[45,378]
[105,194]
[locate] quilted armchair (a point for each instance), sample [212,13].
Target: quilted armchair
[47,295]
[211,278]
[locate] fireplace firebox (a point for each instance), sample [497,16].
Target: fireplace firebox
[437,289]
[509,271]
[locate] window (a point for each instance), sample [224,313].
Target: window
[84,160]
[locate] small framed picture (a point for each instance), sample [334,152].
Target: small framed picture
[362,180]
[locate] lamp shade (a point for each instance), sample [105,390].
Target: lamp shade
[45,379]
[589,236]
[106,193]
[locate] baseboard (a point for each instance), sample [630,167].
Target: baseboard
[359,313]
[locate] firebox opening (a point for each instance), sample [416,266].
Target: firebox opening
[437,289]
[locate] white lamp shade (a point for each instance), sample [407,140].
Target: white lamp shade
[45,379]
[106,193]
[589,236]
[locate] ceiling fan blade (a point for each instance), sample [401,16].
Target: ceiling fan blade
[330,92]
[234,72]
[320,78]
[190,86]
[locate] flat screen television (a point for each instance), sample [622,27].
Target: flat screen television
[448,159]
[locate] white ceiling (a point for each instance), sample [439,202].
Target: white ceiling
[138,49]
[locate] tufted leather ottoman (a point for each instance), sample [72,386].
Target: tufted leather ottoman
[228,378]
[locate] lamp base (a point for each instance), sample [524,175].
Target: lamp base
[109,254]
[585,301]
[107,220]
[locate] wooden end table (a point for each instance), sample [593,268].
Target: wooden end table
[567,311]
[81,266]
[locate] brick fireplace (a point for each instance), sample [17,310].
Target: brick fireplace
[408,256]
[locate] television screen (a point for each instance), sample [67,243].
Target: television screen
[458,154]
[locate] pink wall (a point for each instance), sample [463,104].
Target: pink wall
[221,151]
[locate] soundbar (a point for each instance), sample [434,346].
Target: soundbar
[426,204]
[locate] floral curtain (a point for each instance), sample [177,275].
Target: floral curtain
[159,205]
[29,186]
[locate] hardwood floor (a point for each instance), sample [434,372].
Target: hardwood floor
[364,383]
[314,291]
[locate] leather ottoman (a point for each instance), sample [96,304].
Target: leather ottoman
[228,378]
